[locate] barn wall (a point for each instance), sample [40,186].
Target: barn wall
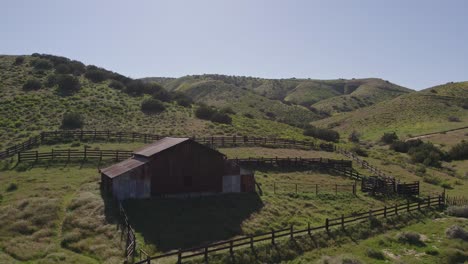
[132,184]
[186,168]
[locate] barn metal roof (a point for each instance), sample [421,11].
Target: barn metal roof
[124,166]
[158,146]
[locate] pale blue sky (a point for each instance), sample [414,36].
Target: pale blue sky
[416,44]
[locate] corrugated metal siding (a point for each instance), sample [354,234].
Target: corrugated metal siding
[132,184]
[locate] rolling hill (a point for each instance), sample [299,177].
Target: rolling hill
[435,109]
[323,97]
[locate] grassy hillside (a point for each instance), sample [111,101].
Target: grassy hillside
[26,112]
[320,96]
[437,109]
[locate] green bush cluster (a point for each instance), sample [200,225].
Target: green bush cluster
[459,151]
[389,138]
[67,84]
[210,113]
[72,120]
[420,152]
[322,133]
[32,84]
[152,105]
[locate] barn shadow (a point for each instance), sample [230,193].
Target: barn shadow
[171,223]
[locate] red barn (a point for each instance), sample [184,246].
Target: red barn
[175,166]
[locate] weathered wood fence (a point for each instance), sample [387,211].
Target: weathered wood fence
[73,155]
[310,188]
[291,232]
[215,141]
[128,234]
[456,200]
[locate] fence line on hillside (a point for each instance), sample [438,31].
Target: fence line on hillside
[308,188]
[128,233]
[343,221]
[73,154]
[456,200]
[215,141]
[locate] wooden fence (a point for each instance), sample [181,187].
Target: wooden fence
[215,141]
[128,234]
[302,187]
[294,162]
[290,232]
[73,154]
[456,200]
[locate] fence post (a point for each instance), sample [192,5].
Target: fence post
[230,248]
[179,256]
[316,189]
[342,221]
[273,236]
[19,156]
[396,209]
[251,242]
[385,211]
[440,201]
[274,188]
[85,152]
[206,254]
[354,189]
[407,206]
[428,201]
[68,155]
[308,228]
[326,225]
[419,205]
[336,189]
[291,231]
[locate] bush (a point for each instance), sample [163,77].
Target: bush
[454,256]
[117,85]
[459,151]
[152,106]
[360,151]
[227,110]
[41,64]
[410,238]
[426,154]
[375,254]
[458,211]
[51,80]
[432,252]
[32,84]
[19,60]
[404,146]
[354,137]
[453,119]
[76,67]
[389,138]
[62,69]
[321,133]
[68,84]
[457,232]
[96,75]
[220,117]
[205,112]
[72,121]
[12,187]
[248,115]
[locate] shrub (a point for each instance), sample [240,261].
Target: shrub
[41,64]
[220,117]
[135,88]
[389,138]
[453,119]
[162,95]
[410,238]
[404,146]
[12,187]
[459,151]
[117,85]
[19,60]
[360,151]
[51,80]
[76,67]
[454,256]
[227,110]
[62,69]
[375,254]
[458,211]
[426,154]
[96,75]
[205,112]
[457,232]
[432,252]
[72,121]
[68,84]
[32,84]
[321,133]
[248,115]
[152,106]
[354,137]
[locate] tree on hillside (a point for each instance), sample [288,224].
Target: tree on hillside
[152,105]
[459,151]
[389,138]
[72,120]
[205,112]
[41,64]
[96,75]
[321,133]
[32,84]
[19,60]
[68,84]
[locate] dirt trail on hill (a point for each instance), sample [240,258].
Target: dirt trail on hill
[435,133]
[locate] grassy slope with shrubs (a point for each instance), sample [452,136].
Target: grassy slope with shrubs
[436,109]
[27,112]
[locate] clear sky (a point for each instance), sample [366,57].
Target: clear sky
[413,43]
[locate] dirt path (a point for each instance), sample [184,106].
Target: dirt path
[435,133]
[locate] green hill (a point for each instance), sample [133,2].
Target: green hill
[104,105]
[435,109]
[320,96]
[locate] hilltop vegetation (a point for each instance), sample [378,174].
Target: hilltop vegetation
[436,109]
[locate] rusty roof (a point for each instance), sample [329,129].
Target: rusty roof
[158,146]
[124,166]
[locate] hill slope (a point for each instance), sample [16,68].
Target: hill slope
[436,109]
[320,96]
[26,112]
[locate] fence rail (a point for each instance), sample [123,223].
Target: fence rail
[293,187]
[215,141]
[242,242]
[456,200]
[73,154]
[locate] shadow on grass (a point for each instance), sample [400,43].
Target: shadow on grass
[183,223]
